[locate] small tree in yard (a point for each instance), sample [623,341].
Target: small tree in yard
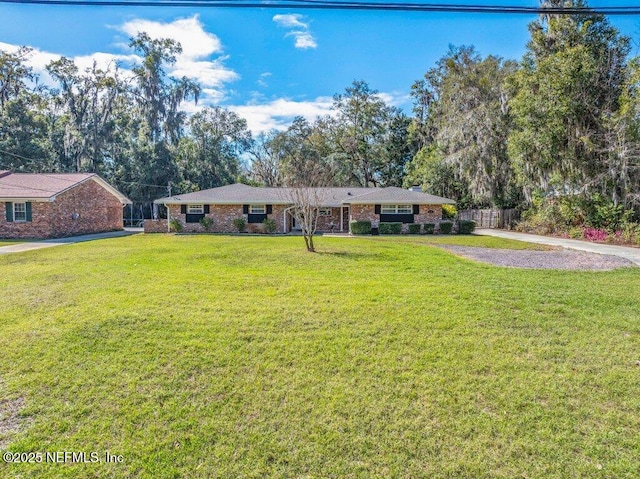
[306,201]
[305,171]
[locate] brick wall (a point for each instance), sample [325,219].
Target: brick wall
[364,213]
[324,222]
[427,214]
[223,216]
[86,208]
[155,226]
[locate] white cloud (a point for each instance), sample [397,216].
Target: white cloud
[198,46]
[195,41]
[278,114]
[299,30]
[195,61]
[290,20]
[262,81]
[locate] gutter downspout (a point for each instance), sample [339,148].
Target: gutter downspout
[168,219]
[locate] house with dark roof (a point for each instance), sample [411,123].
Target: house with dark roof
[337,208]
[54,205]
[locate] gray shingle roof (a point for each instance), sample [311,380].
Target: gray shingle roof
[394,195]
[243,194]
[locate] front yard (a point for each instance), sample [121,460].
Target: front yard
[214,356]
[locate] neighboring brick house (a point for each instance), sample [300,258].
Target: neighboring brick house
[337,208]
[53,205]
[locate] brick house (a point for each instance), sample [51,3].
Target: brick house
[54,205]
[337,209]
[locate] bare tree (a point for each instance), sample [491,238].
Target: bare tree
[307,182]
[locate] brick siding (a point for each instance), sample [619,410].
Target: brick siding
[367,213]
[84,209]
[223,216]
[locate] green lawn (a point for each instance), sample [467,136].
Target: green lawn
[239,357]
[9,242]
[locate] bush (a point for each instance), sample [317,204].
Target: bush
[429,228]
[445,227]
[175,226]
[270,225]
[360,227]
[576,233]
[466,227]
[594,234]
[414,228]
[206,223]
[449,212]
[390,228]
[240,224]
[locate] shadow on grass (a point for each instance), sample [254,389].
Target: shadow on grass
[346,254]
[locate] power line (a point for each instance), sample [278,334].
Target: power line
[342,5]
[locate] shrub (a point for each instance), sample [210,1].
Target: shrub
[206,223]
[414,228]
[631,232]
[270,225]
[445,227]
[576,233]
[175,226]
[594,234]
[390,228]
[466,227]
[240,223]
[360,227]
[449,212]
[429,228]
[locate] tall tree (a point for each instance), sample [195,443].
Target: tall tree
[362,118]
[23,131]
[467,123]
[86,102]
[210,155]
[567,90]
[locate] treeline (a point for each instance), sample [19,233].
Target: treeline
[562,121]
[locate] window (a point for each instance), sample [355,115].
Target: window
[396,209]
[195,209]
[19,212]
[257,209]
[324,211]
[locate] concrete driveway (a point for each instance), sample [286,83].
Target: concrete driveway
[632,254]
[20,247]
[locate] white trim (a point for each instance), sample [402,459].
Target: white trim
[198,206]
[13,208]
[262,207]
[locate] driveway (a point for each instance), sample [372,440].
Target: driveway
[20,247]
[631,254]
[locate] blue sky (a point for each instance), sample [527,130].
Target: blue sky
[271,64]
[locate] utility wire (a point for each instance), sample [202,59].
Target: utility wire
[341,5]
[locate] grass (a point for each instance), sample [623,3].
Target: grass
[467,240]
[7,242]
[213,356]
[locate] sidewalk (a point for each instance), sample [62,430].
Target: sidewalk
[631,254]
[20,247]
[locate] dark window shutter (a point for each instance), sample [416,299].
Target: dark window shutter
[9,207]
[377,209]
[245,209]
[183,209]
[416,209]
[206,209]
[28,208]
[269,209]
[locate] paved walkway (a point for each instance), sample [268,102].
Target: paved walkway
[632,254]
[20,247]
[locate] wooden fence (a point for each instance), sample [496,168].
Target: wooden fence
[489,218]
